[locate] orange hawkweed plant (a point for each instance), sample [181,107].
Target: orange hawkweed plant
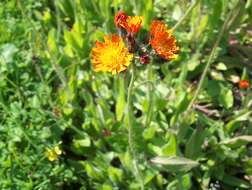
[119,51]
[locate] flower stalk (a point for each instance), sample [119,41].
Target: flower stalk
[150,96]
[130,115]
[210,60]
[188,11]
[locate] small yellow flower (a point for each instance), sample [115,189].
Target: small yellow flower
[112,55]
[53,153]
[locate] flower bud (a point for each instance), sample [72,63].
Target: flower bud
[106,133]
[145,59]
[244,84]
[233,41]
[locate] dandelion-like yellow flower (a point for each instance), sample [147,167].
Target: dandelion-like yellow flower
[53,153]
[112,55]
[134,24]
[162,41]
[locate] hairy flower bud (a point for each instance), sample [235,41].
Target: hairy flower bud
[144,59]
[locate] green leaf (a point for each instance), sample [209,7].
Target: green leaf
[237,141]
[226,98]
[7,51]
[175,164]
[170,149]
[92,171]
[115,174]
[221,93]
[149,132]
[221,66]
[243,115]
[193,146]
[120,104]
[194,61]
[82,142]
[51,42]
[235,182]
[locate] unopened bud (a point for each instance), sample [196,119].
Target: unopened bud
[145,59]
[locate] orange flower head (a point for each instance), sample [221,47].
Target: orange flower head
[120,20]
[244,84]
[134,24]
[157,26]
[111,55]
[162,40]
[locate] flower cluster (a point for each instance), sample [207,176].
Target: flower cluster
[115,54]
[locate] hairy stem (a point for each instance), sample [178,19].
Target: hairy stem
[188,11]
[131,142]
[150,96]
[210,60]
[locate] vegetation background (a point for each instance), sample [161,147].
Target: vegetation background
[62,125]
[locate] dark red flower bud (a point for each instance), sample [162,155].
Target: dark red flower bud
[233,41]
[107,133]
[244,84]
[145,59]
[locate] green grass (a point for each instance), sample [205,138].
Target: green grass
[191,126]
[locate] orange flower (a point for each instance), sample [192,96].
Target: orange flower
[130,23]
[112,55]
[134,24]
[157,27]
[244,84]
[120,19]
[162,41]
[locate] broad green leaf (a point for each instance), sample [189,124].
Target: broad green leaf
[115,174]
[177,12]
[226,98]
[175,164]
[92,171]
[193,146]
[221,66]
[170,149]
[181,182]
[237,141]
[194,61]
[236,182]
[7,51]
[107,187]
[220,93]
[149,132]
[82,142]
[234,122]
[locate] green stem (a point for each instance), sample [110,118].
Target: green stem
[150,96]
[180,182]
[130,116]
[182,19]
[210,60]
